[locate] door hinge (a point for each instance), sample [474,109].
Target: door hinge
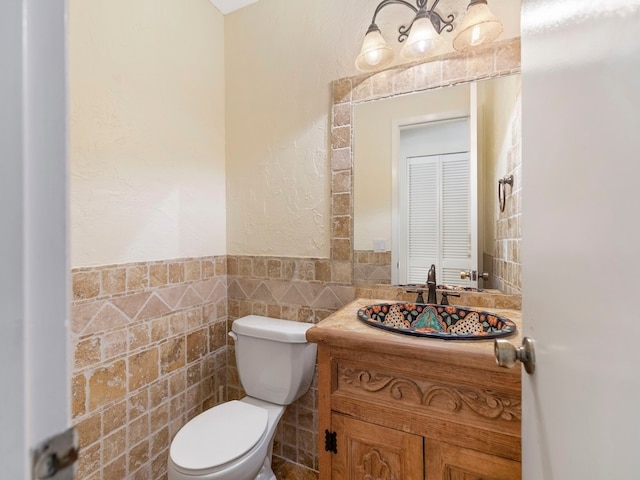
[55,457]
[330,442]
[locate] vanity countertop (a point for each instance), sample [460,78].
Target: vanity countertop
[343,329]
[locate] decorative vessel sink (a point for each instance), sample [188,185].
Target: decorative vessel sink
[437,321]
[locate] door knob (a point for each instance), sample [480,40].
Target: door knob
[470,274]
[507,355]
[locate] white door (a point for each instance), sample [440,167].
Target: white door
[34,373]
[437,214]
[581,238]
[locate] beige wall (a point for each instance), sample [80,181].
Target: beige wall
[147,130]
[281,56]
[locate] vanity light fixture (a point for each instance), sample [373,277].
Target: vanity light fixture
[422,36]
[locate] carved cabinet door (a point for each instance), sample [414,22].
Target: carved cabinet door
[370,452]
[451,462]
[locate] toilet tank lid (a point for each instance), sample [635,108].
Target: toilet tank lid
[275,329]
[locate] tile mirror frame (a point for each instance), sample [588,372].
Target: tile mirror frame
[498,59]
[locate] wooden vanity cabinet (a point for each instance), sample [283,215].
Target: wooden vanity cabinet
[401,411]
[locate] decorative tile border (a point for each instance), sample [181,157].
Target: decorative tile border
[371,268]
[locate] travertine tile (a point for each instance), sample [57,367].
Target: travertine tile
[172,355]
[193,270]
[114,417]
[341,114]
[143,368]
[87,352]
[116,469]
[341,159]
[197,343]
[341,204]
[114,280]
[78,395]
[341,181]
[107,384]
[89,430]
[114,343]
[176,272]
[115,444]
[341,137]
[86,285]
[137,278]
[342,91]
[139,456]
[89,461]
[158,274]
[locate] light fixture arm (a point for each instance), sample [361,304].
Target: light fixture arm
[420,11]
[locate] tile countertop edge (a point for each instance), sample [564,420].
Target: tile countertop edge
[343,329]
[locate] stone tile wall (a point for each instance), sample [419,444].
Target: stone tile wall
[297,289]
[150,347]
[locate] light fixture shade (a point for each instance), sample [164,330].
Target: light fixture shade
[375,53]
[479,26]
[423,39]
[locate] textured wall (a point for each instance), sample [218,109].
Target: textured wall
[281,56]
[146,83]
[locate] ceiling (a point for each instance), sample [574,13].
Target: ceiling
[228,6]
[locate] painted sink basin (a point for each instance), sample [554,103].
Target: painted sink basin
[437,321]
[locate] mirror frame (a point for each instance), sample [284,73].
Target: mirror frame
[496,60]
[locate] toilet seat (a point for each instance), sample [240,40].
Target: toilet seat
[217,437]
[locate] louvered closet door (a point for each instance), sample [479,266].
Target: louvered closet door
[455,227]
[437,227]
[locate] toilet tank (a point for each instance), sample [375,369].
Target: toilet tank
[275,361]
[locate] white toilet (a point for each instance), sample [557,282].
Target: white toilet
[234,440]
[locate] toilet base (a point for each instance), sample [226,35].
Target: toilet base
[265,472]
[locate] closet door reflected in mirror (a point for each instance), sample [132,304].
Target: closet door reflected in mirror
[435,205]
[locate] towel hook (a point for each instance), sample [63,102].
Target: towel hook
[502,190]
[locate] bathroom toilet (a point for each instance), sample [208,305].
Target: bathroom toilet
[234,440]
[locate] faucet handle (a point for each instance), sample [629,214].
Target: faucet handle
[445,297]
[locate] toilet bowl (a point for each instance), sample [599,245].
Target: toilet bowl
[234,440]
[231,441]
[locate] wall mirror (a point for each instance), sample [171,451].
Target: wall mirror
[427,167]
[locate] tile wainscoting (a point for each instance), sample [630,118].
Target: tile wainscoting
[151,351]
[297,289]
[149,344]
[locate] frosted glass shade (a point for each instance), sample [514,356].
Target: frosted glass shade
[423,39]
[375,54]
[479,26]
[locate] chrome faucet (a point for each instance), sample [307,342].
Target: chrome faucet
[431,284]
